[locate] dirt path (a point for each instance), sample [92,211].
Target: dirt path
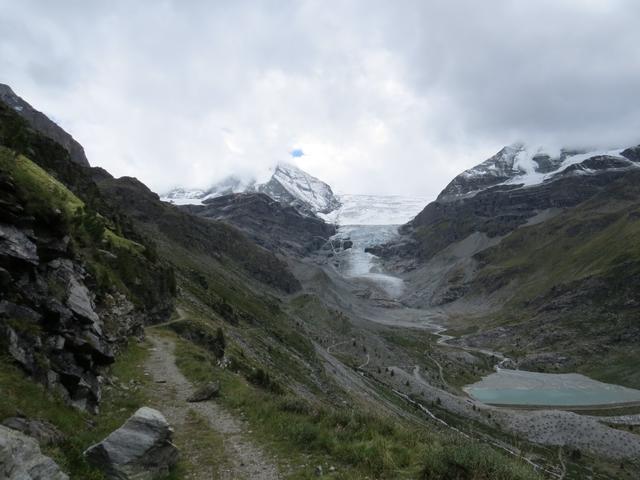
[171,390]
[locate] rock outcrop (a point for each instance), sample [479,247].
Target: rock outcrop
[140,449]
[49,321]
[272,224]
[44,432]
[77,280]
[21,458]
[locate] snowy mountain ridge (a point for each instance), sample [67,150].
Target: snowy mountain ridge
[519,164]
[288,184]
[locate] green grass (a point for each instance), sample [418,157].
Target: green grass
[551,253]
[358,443]
[201,449]
[20,395]
[39,186]
[118,242]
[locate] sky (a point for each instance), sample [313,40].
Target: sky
[372,96]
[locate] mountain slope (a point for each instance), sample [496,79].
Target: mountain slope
[487,203]
[174,228]
[544,271]
[518,164]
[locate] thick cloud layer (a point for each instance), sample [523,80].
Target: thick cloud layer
[382,97]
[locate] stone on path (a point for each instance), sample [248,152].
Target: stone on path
[141,449]
[206,392]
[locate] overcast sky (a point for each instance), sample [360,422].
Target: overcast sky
[373,96]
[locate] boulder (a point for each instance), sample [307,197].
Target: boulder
[205,392]
[21,458]
[141,449]
[42,431]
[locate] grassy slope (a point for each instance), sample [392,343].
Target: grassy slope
[357,443]
[299,420]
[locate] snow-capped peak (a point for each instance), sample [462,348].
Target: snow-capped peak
[519,164]
[288,184]
[292,185]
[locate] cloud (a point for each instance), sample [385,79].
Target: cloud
[381,98]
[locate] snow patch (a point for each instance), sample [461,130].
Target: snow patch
[528,166]
[376,209]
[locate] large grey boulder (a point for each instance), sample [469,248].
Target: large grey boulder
[139,450]
[21,458]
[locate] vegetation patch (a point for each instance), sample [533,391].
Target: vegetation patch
[21,396]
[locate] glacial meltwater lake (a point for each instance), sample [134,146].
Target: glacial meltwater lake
[518,387]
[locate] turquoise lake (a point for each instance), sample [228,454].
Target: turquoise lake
[517,387]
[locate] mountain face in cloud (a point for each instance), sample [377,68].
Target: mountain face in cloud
[288,185]
[380,98]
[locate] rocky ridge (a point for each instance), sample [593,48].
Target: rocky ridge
[41,123]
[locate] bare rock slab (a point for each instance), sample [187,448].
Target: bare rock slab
[139,450]
[44,432]
[21,458]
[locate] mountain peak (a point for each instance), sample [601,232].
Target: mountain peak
[43,124]
[292,185]
[288,184]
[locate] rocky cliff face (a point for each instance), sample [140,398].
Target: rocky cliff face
[77,280]
[42,124]
[276,226]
